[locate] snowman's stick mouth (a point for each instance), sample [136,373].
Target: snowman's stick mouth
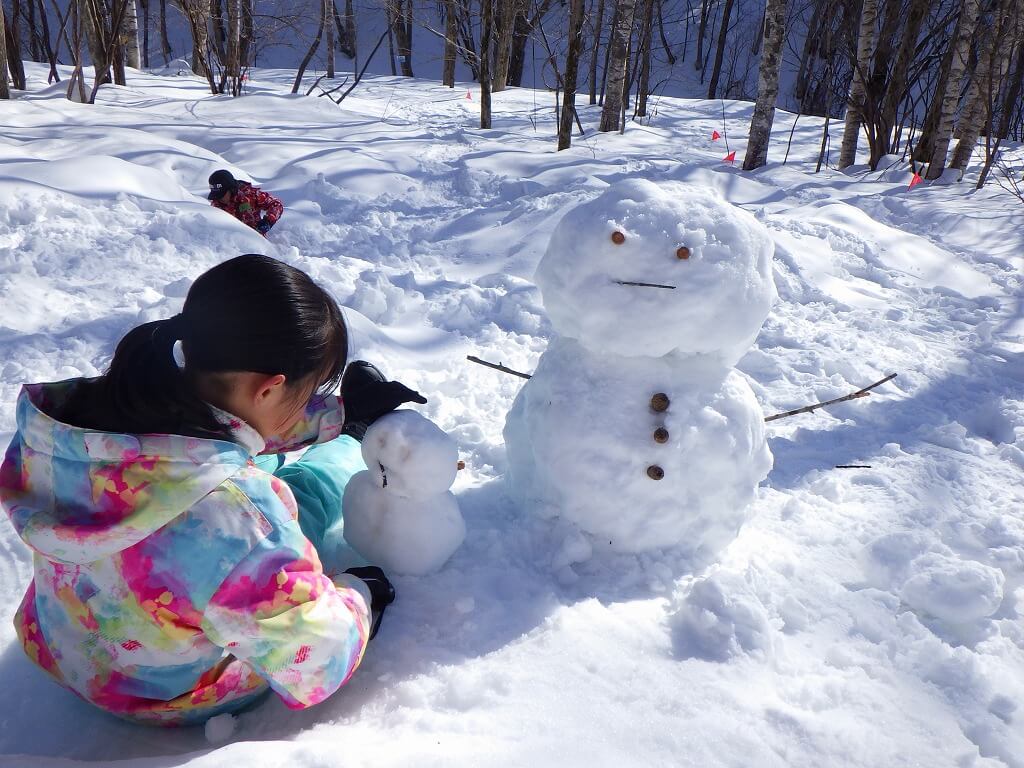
[645,285]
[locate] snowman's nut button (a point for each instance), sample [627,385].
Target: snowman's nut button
[618,238]
[655,472]
[661,435]
[660,402]
[682,252]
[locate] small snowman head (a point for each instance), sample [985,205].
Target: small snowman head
[410,455]
[649,269]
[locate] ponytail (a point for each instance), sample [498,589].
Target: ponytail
[144,391]
[250,313]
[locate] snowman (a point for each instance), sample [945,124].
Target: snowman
[399,513]
[635,426]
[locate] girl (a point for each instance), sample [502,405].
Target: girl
[174,578]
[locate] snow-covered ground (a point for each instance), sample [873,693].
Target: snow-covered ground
[863,617]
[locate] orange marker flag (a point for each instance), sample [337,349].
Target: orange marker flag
[730,158]
[469,95]
[715,135]
[915,181]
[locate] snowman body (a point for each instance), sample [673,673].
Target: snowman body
[399,513]
[635,426]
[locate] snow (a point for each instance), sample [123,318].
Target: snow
[399,513]
[860,617]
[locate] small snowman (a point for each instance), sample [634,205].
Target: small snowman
[399,513]
[635,426]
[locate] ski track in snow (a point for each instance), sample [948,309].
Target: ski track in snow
[874,615]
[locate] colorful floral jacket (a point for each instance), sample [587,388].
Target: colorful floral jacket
[251,204]
[172,581]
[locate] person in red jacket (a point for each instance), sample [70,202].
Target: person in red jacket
[249,204]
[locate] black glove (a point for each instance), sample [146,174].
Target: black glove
[382,594]
[368,396]
[263,227]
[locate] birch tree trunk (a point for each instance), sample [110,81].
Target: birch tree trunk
[723,34]
[400,12]
[866,39]
[312,46]
[329,29]
[702,27]
[219,30]
[486,30]
[346,32]
[507,11]
[53,76]
[199,24]
[5,90]
[993,64]
[767,85]
[949,91]
[618,48]
[1010,104]
[450,31]
[644,83]
[809,53]
[76,83]
[145,33]
[94,38]
[247,36]
[231,68]
[572,59]
[596,43]
[130,34]
[896,90]
[34,47]
[165,44]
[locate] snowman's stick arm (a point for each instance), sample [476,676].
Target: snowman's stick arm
[852,396]
[497,367]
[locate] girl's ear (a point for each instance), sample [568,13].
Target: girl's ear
[266,386]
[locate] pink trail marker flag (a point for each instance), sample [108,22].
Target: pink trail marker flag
[730,158]
[469,95]
[915,181]
[715,135]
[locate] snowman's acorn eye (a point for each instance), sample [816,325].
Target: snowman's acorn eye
[618,238]
[682,252]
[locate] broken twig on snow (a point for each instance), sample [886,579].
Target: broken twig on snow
[852,396]
[497,367]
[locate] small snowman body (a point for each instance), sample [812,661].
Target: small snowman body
[399,514]
[635,426]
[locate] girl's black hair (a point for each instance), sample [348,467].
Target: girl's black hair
[250,313]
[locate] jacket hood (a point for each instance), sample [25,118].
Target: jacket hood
[77,495]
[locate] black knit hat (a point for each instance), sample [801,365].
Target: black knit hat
[220,182]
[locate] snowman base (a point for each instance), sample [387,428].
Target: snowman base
[412,537]
[583,445]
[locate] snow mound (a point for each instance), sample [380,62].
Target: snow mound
[718,617]
[954,590]
[717,257]
[579,446]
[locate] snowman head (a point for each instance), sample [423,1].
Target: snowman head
[706,266]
